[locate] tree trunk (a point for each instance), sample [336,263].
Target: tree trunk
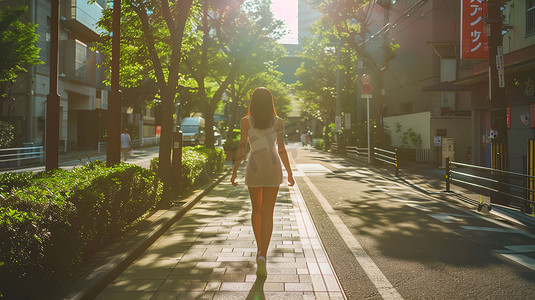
[166,142]
[208,115]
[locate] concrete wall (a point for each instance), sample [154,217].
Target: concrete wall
[458,128]
[418,122]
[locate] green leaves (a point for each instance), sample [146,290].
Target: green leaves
[17,48]
[49,221]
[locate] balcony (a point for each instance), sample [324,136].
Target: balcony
[81,16]
[78,62]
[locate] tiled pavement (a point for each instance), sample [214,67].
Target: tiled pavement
[210,254]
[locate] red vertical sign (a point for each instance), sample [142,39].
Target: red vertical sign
[474,41]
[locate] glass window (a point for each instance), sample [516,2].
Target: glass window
[102,3]
[530,17]
[80,60]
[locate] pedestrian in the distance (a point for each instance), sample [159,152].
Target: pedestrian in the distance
[263,175]
[126,143]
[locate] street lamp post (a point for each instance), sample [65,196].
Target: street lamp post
[113,152]
[52,99]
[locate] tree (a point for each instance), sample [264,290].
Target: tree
[236,34]
[17,49]
[151,44]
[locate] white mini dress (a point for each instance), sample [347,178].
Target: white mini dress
[263,166]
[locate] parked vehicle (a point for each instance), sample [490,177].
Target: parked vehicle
[192,131]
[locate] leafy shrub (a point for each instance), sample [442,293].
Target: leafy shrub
[319,144]
[6,134]
[199,164]
[50,221]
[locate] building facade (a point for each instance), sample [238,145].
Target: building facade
[83,96]
[519,61]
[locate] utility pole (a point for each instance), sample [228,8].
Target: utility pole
[498,112]
[113,152]
[52,99]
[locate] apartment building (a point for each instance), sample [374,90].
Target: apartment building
[84,97]
[519,68]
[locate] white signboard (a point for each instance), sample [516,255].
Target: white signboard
[347,121]
[337,123]
[438,141]
[365,95]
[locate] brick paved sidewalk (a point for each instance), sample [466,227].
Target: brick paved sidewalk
[210,254]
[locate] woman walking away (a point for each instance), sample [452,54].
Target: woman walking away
[263,173]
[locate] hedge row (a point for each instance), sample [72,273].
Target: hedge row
[199,164]
[49,222]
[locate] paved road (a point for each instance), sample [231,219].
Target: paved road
[386,240]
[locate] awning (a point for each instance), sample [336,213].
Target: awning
[445,86]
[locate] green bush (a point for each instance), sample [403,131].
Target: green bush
[319,144]
[50,221]
[199,164]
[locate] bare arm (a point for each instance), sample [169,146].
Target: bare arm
[241,149]
[282,151]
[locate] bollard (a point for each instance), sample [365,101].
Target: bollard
[176,164]
[447,174]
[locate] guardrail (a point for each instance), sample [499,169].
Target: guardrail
[354,151]
[15,156]
[492,180]
[152,141]
[334,147]
[387,157]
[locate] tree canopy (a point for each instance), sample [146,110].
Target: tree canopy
[17,49]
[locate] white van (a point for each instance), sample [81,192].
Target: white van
[192,131]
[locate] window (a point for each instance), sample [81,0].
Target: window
[101,3]
[530,17]
[80,60]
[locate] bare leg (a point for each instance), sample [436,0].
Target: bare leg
[269,196]
[256,216]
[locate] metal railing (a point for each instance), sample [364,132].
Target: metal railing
[334,147]
[152,141]
[423,155]
[387,157]
[492,180]
[16,156]
[354,152]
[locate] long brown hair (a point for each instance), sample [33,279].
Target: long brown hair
[262,108]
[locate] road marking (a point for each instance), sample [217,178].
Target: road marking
[503,230]
[418,207]
[446,218]
[381,283]
[313,169]
[308,233]
[522,248]
[338,166]
[521,259]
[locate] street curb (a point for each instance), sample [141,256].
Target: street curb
[105,271]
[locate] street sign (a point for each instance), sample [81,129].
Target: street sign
[347,120]
[438,140]
[366,78]
[359,64]
[366,88]
[501,78]
[499,62]
[366,96]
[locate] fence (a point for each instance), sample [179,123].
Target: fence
[387,157]
[152,141]
[354,152]
[14,157]
[499,182]
[423,155]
